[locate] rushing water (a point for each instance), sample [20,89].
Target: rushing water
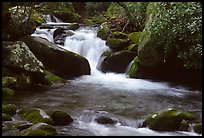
[127,100]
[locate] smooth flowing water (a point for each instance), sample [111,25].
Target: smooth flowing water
[129,101]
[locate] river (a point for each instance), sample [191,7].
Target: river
[129,101]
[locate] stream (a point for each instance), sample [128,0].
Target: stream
[129,101]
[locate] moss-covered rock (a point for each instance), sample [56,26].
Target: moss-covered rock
[119,35]
[40,129]
[9,109]
[6,117]
[117,44]
[134,67]
[69,17]
[103,31]
[6,92]
[198,128]
[51,78]
[18,58]
[74,65]
[61,118]
[35,115]
[9,82]
[169,120]
[134,37]
[115,61]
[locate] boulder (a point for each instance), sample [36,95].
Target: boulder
[9,82]
[169,120]
[116,61]
[105,120]
[40,129]
[134,37]
[198,128]
[117,44]
[57,60]
[73,26]
[119,35]
[61,118]
[19,59]
[68,17]
[35,115]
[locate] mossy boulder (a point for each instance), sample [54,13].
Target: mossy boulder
[6,117]
[134,37]
[9,109]
[6,92]
[9,82]
[61,118]
[119,35]
[40,129]
[117,44]
[169,120]
[63,63]
[115,61]
[19,59]
[103,31]
[198,128]
[35,115]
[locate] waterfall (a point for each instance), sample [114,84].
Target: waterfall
[87,44]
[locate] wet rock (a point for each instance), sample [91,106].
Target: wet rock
[115,61]
[117,44]
[35,115]
[61,118]
[169,120]
[70,65]
[40,129]
[73,26]
[9,82]
[18,58]
[198,128]
[105,120]
[103,31]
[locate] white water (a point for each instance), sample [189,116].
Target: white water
[85,43]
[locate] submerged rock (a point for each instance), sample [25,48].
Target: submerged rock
[57,60]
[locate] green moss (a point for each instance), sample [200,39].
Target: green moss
[116,43]
[168,120]
[119,35]
[198,128]
[9,109]
[134,37]
[6,92]
[6,117]
[41,129]
[133,47]
[134,67]
[107,54]
[9,82]
[34,116]
[103,32]
[51,78]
